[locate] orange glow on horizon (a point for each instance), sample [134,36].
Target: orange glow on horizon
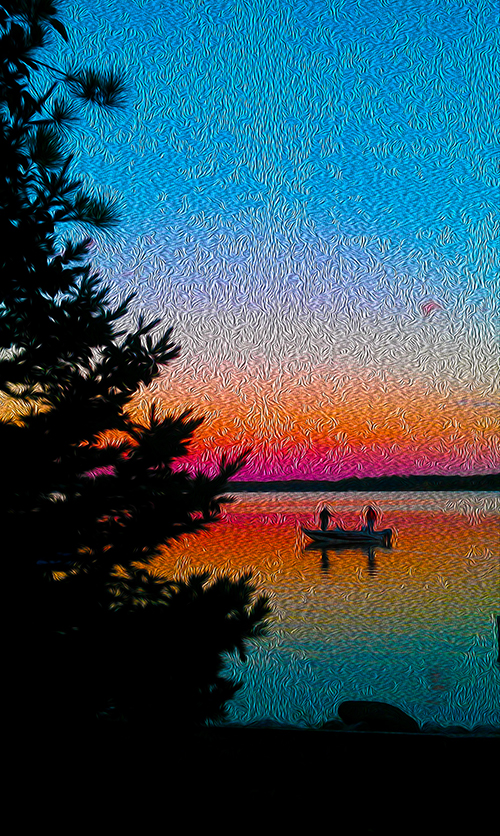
[322,426]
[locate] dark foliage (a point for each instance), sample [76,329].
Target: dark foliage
[84,488]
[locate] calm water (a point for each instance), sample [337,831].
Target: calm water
[413,625]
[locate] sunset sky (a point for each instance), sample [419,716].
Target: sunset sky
[309,196]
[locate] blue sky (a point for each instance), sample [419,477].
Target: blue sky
[306,185]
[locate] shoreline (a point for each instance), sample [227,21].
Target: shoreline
[489,483]
[353,782]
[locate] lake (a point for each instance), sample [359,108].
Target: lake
[413,625]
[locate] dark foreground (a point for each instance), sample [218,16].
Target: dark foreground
[150,777]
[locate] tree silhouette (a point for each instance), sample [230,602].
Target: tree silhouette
[89,495]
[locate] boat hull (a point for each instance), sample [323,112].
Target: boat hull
[340,536]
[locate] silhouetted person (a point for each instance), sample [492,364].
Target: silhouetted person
[324,518]
[371,518]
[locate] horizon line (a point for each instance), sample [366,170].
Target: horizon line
[374,478]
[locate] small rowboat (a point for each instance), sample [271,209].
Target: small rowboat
[342,535]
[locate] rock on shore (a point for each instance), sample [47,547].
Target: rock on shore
[376,716]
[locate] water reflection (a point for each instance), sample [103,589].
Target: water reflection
[411,625]
[341,549]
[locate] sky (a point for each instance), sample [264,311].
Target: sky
[309,196]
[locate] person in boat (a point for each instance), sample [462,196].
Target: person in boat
[324,518]
[371,518]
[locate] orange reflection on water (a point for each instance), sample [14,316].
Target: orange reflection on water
[411,625]
[261,533]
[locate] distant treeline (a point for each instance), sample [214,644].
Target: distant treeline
[488,482]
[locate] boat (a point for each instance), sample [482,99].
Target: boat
[346,536]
